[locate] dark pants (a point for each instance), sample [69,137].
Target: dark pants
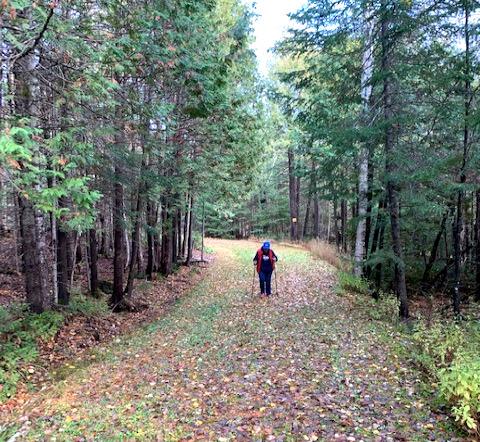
[265,282]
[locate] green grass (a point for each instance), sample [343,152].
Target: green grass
[7,433]
[87,305]
[201,330]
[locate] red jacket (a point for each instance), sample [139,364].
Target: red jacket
[271,255]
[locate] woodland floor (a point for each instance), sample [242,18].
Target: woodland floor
[222,365]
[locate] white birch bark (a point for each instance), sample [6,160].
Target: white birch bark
[366,92]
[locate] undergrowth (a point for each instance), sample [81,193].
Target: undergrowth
[87,305]
[324,251]
[349,283]
[445,350]
[21,331]
[448,353]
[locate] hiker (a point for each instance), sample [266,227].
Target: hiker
[265,260]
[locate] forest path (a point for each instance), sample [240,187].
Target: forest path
[221,366]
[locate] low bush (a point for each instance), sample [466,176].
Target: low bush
[384,309]
[349,283]
[20,331]
[448,352]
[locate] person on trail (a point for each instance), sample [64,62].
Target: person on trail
[265,260]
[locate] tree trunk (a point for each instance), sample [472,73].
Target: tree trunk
[16,235]
[316,216]
[135,243]
[343,214]
[174,234]
[377,242]
[190,234]
[186,223]
[203,231]
[150,241]
[118,239]
[297,208]
[140,257]
[391,131]
[166,248]
[459,218]
[54,255]
[34,250]
[103,236]
[434,252]
[86,254]
[293,194]
[316,205]
[368,225]
[32,223]
[337,230]
[362,212]
[126,241]
[63,267]
[328,208]
[307,214]
[179,235]
[93,251]
[363,156]
[477,245]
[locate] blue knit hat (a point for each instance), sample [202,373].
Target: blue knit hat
[266,245]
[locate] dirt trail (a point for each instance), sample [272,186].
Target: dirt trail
[221,366]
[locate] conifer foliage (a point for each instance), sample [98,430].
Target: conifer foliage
[385,96]
[112,114]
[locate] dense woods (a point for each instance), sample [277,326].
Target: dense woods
[120,121]
[381,104]
[132,130]
[127,129]
[373,119]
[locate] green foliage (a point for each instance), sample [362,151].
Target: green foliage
[88,305]
[22,156]
[349,283]
[19,332]
[438,344]
[460,387]
[448,352]
[383,309]
[320,79]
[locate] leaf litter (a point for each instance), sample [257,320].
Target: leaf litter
[222,365]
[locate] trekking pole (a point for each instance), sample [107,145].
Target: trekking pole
[276,286]
[253,280]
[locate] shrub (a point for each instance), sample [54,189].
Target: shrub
[349,283]
[460,387]
[324,251]
[448,352]
[383,309]
[19,332]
